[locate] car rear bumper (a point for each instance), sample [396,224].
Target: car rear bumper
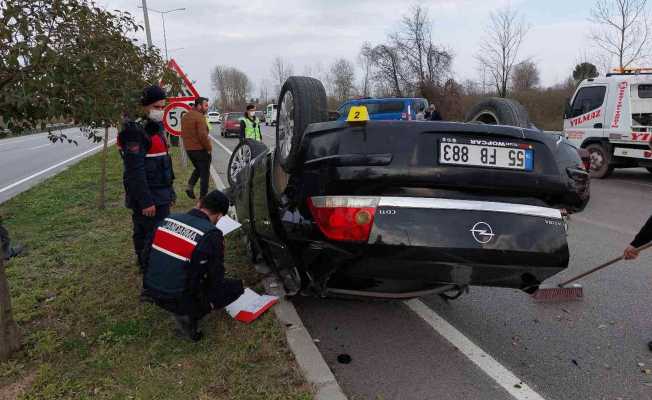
[447,241]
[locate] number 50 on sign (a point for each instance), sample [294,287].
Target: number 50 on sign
[172,117]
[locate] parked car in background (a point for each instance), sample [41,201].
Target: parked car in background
[383,109]
[214,117]
[231,124]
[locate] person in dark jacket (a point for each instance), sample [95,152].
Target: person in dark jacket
[185,271]
[432,114]
[148,174]
[644,237]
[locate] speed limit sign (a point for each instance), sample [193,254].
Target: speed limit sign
[172,117]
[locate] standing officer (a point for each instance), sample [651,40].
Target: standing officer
[148,173]
[198,146]
[185,270]
[250,125]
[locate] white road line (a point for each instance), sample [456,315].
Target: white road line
[39,147]
[20,182]
[216,177]
[504,377]
[229,152]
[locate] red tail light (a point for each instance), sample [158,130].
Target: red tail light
[344,218]
[586,158]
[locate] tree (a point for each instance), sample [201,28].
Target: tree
[583,71]
[525,76]
[280,71]
[232,86]
[366,61]
[623,29]
[388,68]
[427,64]
[67,59]
[499,50]
[342,78]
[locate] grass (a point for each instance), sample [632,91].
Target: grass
[86,335]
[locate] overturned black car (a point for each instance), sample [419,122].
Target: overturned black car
[404,208]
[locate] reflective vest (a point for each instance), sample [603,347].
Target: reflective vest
[252,129]
[173,246]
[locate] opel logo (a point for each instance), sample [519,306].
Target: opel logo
[482,232]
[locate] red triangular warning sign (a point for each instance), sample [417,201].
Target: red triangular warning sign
[188,91]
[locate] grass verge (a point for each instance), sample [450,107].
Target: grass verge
[86,335]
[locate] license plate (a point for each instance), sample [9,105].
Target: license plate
[501,155]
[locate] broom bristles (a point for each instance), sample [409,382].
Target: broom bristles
[571,293]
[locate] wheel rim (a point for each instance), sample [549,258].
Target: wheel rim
[597,160]
[285,124]
[486,117]
[241,158]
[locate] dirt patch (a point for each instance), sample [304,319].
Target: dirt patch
[13,390]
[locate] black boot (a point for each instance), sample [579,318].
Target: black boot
[188,327]
[190,193]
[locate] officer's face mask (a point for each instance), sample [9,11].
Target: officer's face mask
[155,115]
[251,114]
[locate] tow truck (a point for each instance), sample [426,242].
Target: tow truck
[611,117]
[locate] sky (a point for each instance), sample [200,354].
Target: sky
[312,34]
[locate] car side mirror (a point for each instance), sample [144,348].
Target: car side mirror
[567,108]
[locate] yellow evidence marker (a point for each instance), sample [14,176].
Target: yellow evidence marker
[358,114]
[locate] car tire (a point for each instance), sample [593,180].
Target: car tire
[242,156]
[499,111]
[302,102]
[599,158]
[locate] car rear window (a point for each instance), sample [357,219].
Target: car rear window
[645,91]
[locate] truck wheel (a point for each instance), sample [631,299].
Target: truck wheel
[499,111]
[241,157]
[301,103]
[599,157]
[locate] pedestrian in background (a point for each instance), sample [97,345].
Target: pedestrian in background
[148,173]
[432,114]
[194,130]
[250,125]
[185,272]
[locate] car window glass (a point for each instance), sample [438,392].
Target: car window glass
[235,116]
[420,105]
[645,91]
[588,99]
[385,107]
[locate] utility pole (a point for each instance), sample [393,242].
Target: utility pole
[147,30]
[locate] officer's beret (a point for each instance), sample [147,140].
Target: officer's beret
[152,94]
[216,201]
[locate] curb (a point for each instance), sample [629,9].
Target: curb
[311,362]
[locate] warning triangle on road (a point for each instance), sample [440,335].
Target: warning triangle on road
[187,91]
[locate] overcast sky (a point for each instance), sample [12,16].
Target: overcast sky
[249,34]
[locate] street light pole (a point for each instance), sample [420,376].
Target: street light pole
[147,30]
[165,39]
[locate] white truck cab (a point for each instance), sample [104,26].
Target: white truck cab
[270,114]
[611,117]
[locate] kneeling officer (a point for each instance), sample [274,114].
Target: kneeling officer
[185,271]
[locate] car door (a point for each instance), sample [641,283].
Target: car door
[587,112]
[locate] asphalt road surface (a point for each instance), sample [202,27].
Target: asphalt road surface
[498,343]
[27,160]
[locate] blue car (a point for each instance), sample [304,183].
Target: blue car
[390,108]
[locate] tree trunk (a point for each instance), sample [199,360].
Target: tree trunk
[9,336]
[101,202]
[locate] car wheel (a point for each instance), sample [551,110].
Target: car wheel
[241,157]
[301,103]
[499,111]
[599,158]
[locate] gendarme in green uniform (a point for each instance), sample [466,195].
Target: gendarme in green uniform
[252,129]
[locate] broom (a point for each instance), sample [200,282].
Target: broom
[575,292]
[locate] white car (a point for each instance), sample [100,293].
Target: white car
[214,117]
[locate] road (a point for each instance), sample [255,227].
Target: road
[27,160]
[498,343]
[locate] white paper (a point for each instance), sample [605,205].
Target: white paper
[227,225]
